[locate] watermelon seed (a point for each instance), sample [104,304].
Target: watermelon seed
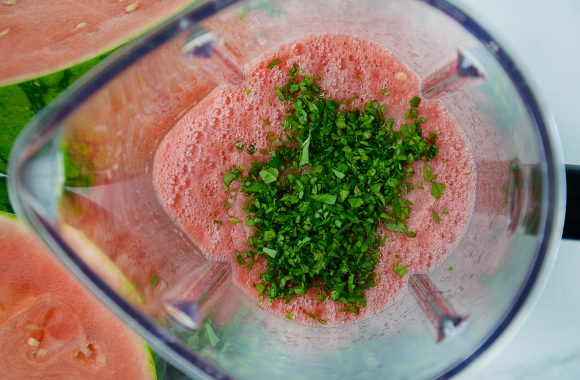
[33,342]
[88,355]
[81,25]
[9,2]
[88,350]
[132,7]
[4,32]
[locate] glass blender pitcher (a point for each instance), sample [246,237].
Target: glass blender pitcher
[82,176]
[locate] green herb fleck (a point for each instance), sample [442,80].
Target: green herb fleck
[211,335]
[400,269]
[275,62]
[239,145]
[228,179]
[427,176]
[329,199]
[445,211]
[386,91]
[316,318]
[338,174]
[251,149]
[289,315]
[450,268]
[415,101]
[270,252]
[351,308]
[153,281]
[436,217]
[304,152]
[437,189]
[269,175]
[239,258]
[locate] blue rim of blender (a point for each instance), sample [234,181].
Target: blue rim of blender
[49,120]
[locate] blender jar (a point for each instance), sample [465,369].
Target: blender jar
[82,176]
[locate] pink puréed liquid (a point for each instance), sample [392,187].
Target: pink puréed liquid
[194,156]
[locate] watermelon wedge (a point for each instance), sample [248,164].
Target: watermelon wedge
[50,327]
[47,45]
[39,37]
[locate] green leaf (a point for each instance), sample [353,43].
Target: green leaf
[329,199]
[427,176]
[396,227]
[437,189]
[435,216]
[211,335]
[279,94]
[338,174]
[275,62]
[304,159]
[355,202]
[400,269]
[270,252]
[269,175]
[415,101]
[239,258]
[228,179]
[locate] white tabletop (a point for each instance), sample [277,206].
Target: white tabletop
[545,38]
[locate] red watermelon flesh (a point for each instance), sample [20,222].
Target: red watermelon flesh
[51,327]
[38,37]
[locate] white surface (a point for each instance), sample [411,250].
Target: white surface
[544,38]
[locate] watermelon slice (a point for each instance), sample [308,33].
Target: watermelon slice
[38,37]
[50,327]
[47,45]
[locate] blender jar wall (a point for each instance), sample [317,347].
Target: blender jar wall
[107,213]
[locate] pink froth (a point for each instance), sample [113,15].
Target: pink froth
[193,158]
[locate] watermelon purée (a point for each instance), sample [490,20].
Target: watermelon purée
[194,156]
